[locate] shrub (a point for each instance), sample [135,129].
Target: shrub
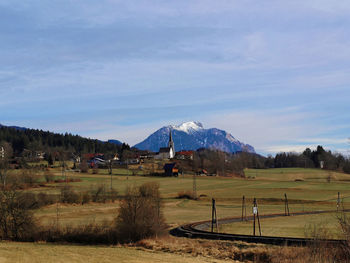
[16,220]
[85,198]
[68,195]
[86,234]
[98,194]
[140,213]
[185,195]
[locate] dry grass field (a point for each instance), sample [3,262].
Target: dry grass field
[47,253]
[307,190]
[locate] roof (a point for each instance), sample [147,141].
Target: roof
[185,153]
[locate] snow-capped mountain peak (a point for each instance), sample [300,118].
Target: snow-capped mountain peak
[188,126]
[192,136]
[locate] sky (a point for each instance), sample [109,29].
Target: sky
[274,74]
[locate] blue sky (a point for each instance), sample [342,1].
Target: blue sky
[275,74]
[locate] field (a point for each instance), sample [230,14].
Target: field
[307,190]
[29,252]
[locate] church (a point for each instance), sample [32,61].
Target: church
[167,152]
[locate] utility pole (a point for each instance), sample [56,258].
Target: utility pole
[214,219]
[110,171]
[286,207]
[256,215]
[194,190]
[57,215]
[244,209]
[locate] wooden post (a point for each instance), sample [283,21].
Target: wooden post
[259,223]
[214,219]
[110,172]
[338,201]
[286,207]
[194,189]
[256,215]
[244,209]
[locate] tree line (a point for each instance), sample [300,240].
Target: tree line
[218,162]
[38,140]
[319,158]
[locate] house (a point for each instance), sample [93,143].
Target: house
[184,155]
[90,156]
[2,152]
[167,152]
[171,169]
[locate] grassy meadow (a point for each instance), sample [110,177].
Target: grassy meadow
[36,253]
[307,190]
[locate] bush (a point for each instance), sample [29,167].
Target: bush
[185,195]
[68,195]
[91,233]
[140,213]
[85,198]
[346,167]
[16,220]
[98,194]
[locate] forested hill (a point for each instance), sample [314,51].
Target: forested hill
[38,140]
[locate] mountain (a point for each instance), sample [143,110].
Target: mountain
[117,142]
[192,136]
[14,127]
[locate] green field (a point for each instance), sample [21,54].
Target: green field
[311,191]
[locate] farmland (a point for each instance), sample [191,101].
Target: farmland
[307,190]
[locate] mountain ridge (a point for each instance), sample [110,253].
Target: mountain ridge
[192,136]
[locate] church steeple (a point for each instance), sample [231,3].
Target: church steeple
[171,145]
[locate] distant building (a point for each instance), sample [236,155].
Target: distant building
[171,169]
[167,152]
[184,155]
[2,152]
[321,164]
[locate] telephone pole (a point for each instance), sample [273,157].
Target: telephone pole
[214,219]
[244,209]
[256,216]
[286,207]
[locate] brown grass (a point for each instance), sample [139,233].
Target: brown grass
[222,250]
[245,252]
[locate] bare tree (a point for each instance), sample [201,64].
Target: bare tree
[16,220]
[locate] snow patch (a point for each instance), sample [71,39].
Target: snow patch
[231,138]
[189,127]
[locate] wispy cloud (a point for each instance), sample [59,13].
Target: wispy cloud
[272,73]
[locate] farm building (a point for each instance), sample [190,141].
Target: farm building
[184,155]
[171,169]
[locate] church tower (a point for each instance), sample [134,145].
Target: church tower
[171,146]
